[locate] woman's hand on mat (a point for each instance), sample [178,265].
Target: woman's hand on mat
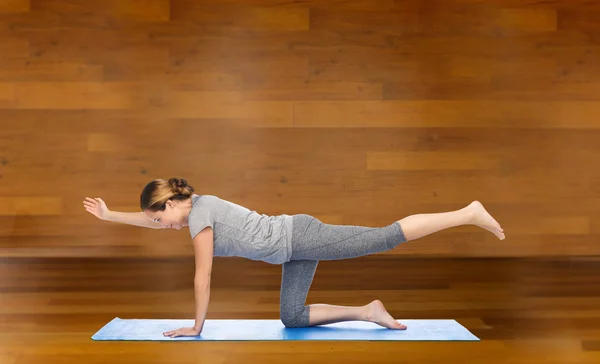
[96,207]
[184,331]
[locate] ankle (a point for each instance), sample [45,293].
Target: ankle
[469,215]
[368,312]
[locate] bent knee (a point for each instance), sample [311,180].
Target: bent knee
[295,323]
[295,318]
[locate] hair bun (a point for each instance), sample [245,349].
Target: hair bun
[180,186]
[178,182]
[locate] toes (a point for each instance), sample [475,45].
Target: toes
[398,326]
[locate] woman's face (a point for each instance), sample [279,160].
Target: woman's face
[174,216]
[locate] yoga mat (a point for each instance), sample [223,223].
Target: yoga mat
[262,330]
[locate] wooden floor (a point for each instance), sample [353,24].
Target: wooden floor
[524,310]
[354,111]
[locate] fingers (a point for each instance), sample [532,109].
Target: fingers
[173,333]
[91,205]
[89,202]
[179,332]
[92,202]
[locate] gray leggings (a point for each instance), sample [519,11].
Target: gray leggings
[313,240]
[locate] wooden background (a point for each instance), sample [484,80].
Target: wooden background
[357,112]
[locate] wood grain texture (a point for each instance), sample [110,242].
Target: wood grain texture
[523,310]
[357,112]
[15,6]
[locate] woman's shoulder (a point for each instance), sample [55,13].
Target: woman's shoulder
[203,202]
[202,198]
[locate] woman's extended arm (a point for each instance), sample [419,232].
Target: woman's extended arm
[203,250]
[98,208]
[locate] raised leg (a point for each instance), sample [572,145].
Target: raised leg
[420,225]
[350,241]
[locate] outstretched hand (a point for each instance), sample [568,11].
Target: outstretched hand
[96,207]
[184,331]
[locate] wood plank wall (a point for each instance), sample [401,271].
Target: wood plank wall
[357,112]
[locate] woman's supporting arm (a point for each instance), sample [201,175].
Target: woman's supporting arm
[203,250]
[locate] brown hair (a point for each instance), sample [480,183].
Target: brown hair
[155,195]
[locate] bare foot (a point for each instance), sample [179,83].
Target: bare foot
[483,219]
[376,313]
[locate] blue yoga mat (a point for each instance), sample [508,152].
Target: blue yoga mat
[262,330]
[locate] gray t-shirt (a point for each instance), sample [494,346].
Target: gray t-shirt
[240,232]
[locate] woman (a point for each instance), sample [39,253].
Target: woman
[297,242]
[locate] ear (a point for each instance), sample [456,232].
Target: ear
[170,204]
